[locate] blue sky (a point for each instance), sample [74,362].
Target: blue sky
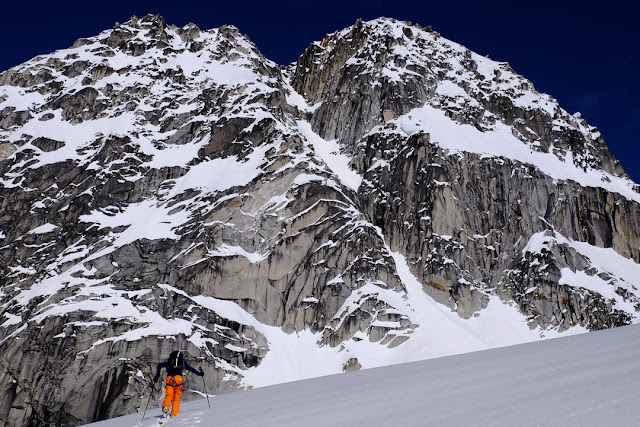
[585,54]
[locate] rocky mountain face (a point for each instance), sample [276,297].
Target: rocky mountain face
[165,187]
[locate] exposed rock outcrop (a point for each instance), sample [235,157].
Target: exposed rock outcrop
[171,187]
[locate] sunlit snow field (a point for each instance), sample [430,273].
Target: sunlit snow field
[584,380]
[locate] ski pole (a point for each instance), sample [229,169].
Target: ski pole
[205,389]
[153,389]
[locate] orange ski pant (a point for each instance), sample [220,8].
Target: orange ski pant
[172,393]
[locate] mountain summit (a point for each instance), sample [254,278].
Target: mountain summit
[391,196]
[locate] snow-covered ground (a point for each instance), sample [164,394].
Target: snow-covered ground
[588,379]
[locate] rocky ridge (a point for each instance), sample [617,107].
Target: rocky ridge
[180,189]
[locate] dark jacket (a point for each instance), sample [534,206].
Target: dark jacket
[175,371]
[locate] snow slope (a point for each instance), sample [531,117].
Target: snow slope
[588,379]
[192,209]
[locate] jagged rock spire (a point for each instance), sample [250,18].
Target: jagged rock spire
[165,186]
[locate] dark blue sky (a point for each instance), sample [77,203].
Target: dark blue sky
[585,54]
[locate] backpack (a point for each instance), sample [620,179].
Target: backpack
[174,364]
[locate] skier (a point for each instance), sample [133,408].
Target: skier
[174,382]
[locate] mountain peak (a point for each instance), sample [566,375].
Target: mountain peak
[414,67]
[391,196]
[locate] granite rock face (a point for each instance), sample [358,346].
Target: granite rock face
[166,187]
[464,220]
